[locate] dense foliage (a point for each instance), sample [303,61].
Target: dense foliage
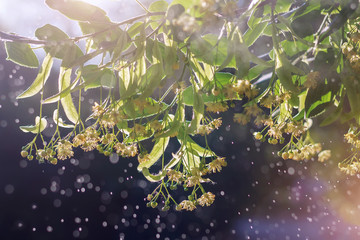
[164,74]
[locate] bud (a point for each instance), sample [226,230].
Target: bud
[53,160]
[24,154]
[285,155]
[165,208]
[100,149]
[258,135]
[48,151]
[149,197]
[154,204]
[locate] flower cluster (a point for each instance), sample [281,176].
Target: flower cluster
[210,127]
[351,164]
[305,152]
[217,107]
[351,51]
[64,150]
[206,199]
[193,178]
[351,168]
[130,150]
[279,125]
[88,140]
[217,164]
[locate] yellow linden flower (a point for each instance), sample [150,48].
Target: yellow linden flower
[253,110]
[241,118]
[216,107]
[97,110]
[350,137]
[143,158]
[216,123]
[206,199]
[64,150]
[275,132]
[217,164]
[79,140]
[174,175]
[186,205]
[324,155]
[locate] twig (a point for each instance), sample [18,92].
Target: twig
[5,37]
[142,5]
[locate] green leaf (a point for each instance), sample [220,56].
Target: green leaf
[317,100]
[22,54]
[104,35]
[49,32]
[136,29]
[252,35]
[281,6]
[153,177]
[332,116]
[158,177]
[255,16]
[92,75]
[309,6]
[83,59]
[255,71]
[156,152]
[151,80]
[193,147]
[63,48]
[124,81]
[300,115]
[106,78]
[64,92]
[67,102]
[187,4]
[158,6]
[283,66]
[221,79]
[40,79]
[170,54]
[121,44]
[192,161]
[136,139]
[59,121]
[292,48]
[134,111]
[39,126]
[212,51]
[78,10]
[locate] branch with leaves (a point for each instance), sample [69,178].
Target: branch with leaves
[195,55]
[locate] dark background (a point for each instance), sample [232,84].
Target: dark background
[258,195]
